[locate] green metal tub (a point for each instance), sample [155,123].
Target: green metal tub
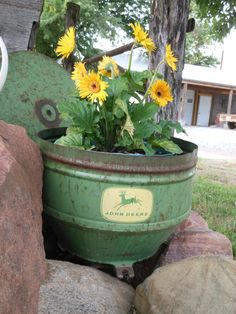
[114,208]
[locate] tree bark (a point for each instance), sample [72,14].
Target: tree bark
[168,25]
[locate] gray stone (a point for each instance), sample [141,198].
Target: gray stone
[71,288]
[199,285]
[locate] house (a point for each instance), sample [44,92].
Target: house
[206,93]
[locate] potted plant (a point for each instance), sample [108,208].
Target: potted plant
[116,183]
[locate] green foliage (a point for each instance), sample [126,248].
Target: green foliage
[79,113]
[93,21]
[219,14]
[97,18]
[104,18]
[123,121]
[199,40]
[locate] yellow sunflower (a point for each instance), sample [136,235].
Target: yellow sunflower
[108,66]
[92,87]
[66,43]
[78,73]
[161,93]
[141,37]
[170,58]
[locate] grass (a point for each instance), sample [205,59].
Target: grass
[214,198]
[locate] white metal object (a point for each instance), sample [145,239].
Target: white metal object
[204,110]
[4,66]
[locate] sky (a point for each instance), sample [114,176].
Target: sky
[229,48]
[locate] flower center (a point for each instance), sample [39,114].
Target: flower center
[159,94]
[94,87]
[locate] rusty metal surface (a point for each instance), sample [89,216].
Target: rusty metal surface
[35,84]
[117,162]
[112,208]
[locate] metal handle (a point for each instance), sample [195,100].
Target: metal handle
[4,67]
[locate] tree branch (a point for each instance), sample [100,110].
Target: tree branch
[109,53]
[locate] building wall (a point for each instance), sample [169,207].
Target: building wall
[219,105]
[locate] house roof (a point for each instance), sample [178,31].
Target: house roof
[192,74]
[209,76]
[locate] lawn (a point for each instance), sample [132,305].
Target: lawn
[214,196]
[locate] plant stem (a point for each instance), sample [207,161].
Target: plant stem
[106,135]
[152,80]
[130,58]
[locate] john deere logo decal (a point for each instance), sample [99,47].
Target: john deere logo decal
[126,204]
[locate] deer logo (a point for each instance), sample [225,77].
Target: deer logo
[127,201]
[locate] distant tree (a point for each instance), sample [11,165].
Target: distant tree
[198,41]
[219,14]
[93,22]
[98,18]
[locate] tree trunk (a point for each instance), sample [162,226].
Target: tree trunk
[168,25]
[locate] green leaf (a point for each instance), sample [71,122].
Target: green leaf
[167,145]
[125,141]
[143,112]
[144,129]
[140,77]
[117,87]
[148,149]
[128,126]
[81,114]
[72,140]
[118,112]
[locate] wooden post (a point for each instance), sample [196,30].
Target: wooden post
[182,103]
[195,107]
[17,18]
[72,18]
[230,101]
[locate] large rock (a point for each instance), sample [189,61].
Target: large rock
[193,238]
[194,221]
[197,242]
[196,285]
[71,288]
[22,262]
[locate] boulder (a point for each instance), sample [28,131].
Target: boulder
[22,261]
[71,288]
[203,284]
[194,221]
[197,242]
[193,238]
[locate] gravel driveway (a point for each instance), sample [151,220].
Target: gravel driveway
[213,142]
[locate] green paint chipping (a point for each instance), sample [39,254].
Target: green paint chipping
[34,86]
[114,208]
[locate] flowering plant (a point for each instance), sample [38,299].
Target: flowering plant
[113,111]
